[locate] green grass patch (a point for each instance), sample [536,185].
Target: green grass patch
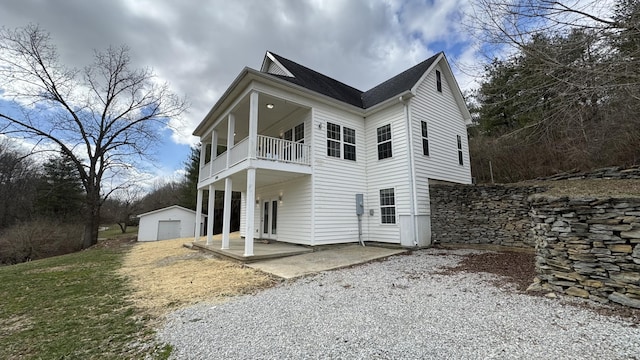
[72,307]
[114,232]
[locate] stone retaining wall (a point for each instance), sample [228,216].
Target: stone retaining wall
[588,247]
[481,214]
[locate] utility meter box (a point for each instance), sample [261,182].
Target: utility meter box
[359,204]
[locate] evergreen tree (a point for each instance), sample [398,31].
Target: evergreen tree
[188,195]
[60,193]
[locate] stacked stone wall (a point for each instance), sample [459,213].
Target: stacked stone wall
[588,247]
[481,214]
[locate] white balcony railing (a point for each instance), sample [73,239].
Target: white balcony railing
[267,148]
[283,150]
[239,152]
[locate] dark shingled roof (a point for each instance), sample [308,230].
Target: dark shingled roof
[317,82]
[397,84]
[325,85]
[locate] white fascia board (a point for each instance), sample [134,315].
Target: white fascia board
[168,208]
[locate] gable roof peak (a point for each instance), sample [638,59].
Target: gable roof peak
[315,81]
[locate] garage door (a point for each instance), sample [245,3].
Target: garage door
[168,229]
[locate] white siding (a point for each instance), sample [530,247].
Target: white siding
[444,122]
[275,69]
[294,211]
[337,181]
[387,173]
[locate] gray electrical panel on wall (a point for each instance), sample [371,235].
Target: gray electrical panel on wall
[359,204]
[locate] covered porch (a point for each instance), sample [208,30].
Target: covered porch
[274,147]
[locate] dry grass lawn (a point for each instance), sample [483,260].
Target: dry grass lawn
[165,276]
[589,188]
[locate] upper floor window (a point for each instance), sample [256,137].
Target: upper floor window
[296,134]
[298,131]
[438,81]
[425,139]
[460,160]
[384,142]
[338,139]
[349,143]
[333,140]
[387,206]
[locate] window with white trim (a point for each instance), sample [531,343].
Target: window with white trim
[297,135]
[333,140]
[349,143]
[341,138]
[425,139]
[384,142]
[438,81]
[387,206]
[460,159]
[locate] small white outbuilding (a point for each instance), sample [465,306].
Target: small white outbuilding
[168,223]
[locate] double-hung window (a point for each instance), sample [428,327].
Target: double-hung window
[438,81]
[349,143]
[425,139]
[341,138]
[384,142]
[333,140]
[460,161]
[387,206]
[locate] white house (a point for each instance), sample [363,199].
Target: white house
[300,146]
[168,223]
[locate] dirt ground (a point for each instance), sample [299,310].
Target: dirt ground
[165,275]
[518,268]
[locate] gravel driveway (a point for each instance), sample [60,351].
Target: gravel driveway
[398,309]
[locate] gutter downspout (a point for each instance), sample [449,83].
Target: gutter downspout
[412,184]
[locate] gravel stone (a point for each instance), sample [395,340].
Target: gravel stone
[398,309]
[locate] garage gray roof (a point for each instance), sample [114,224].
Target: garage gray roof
[325,85]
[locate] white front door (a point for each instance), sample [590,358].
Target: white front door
[269,219]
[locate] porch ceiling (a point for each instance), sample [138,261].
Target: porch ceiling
[267,118]
[264,177]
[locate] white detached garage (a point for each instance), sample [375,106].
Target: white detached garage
[168,223]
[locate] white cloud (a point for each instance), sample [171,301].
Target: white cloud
[200,47]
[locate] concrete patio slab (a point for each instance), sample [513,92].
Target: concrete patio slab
[329,258]
[261,251]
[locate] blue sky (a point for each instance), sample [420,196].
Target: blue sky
[200,47]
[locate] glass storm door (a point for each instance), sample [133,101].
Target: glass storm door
[270,219]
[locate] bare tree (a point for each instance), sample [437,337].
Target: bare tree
[608,38]
[123,206]
[18,184]
[104,117]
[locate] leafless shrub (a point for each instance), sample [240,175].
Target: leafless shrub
[38,239]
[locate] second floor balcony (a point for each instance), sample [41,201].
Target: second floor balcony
[270,149]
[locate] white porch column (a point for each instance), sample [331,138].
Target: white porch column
[214,149]
[226,216]
[250,212]
[198,213]
[231,129]
[253,125]
[212,202]
[203,151]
